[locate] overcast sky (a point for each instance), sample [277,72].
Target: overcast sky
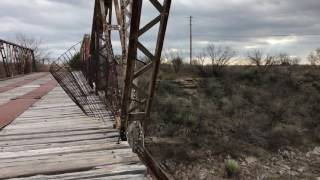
[241,24]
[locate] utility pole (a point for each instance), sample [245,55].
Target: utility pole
[190,18]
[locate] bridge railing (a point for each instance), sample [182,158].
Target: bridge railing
[67,71]
[15,59]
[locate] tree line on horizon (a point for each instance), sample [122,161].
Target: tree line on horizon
[218,57]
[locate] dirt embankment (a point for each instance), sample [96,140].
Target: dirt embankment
[269,124]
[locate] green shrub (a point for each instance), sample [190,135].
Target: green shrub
[177,64]
[168,109]
[184,116]
[232,167]
[212,87]
[170,88]
[75,63]
[248,75]
[191,119]
[284,135]
[316,85]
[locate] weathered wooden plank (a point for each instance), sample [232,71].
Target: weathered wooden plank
[64,119]
[59,157]
[62,166]
[48,134]
[49,130]
[53,124]
[56,134]
[117,170]
[57,139]
[23,127]
[19,91]
[55,145]
[65,150]
[54,140]
[8,81]
[53,117]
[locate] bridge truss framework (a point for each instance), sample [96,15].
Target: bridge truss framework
[116,78]
[100,66]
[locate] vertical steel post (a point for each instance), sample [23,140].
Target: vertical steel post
[157,60]
[131,58]
[136,108]
[34,63]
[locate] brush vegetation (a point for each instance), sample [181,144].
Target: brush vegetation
[238,111]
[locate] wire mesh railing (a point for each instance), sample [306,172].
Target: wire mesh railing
[75,85]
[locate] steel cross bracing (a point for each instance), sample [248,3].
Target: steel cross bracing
[110,77]
[15,59]
[102,72]
[134,107]
[136,102]
[103,75]
[104,69]
[85,54]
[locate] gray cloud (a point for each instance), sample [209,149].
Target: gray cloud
[242,24]
[247,23]
[58,23]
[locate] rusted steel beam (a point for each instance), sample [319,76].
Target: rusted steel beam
[121,23]
[157,60]
[130,66]
[14,44]
[134,70]
[85,55]
[102,72]
[154,167]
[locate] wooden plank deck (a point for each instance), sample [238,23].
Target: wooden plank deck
[13,80]
[25,86]
[55,140]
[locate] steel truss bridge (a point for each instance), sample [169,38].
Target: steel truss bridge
[105,83]
[46,135]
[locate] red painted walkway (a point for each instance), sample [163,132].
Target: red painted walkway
[19,83]
[12,109]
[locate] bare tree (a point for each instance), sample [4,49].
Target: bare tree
[255,57]
[284,59]
[177,63]
[289,65]
[314,57]
[40,54]
[295,61]
[175,60]
[220,56]
[263,62]
[200,64]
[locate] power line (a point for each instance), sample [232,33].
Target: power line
[190,19]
